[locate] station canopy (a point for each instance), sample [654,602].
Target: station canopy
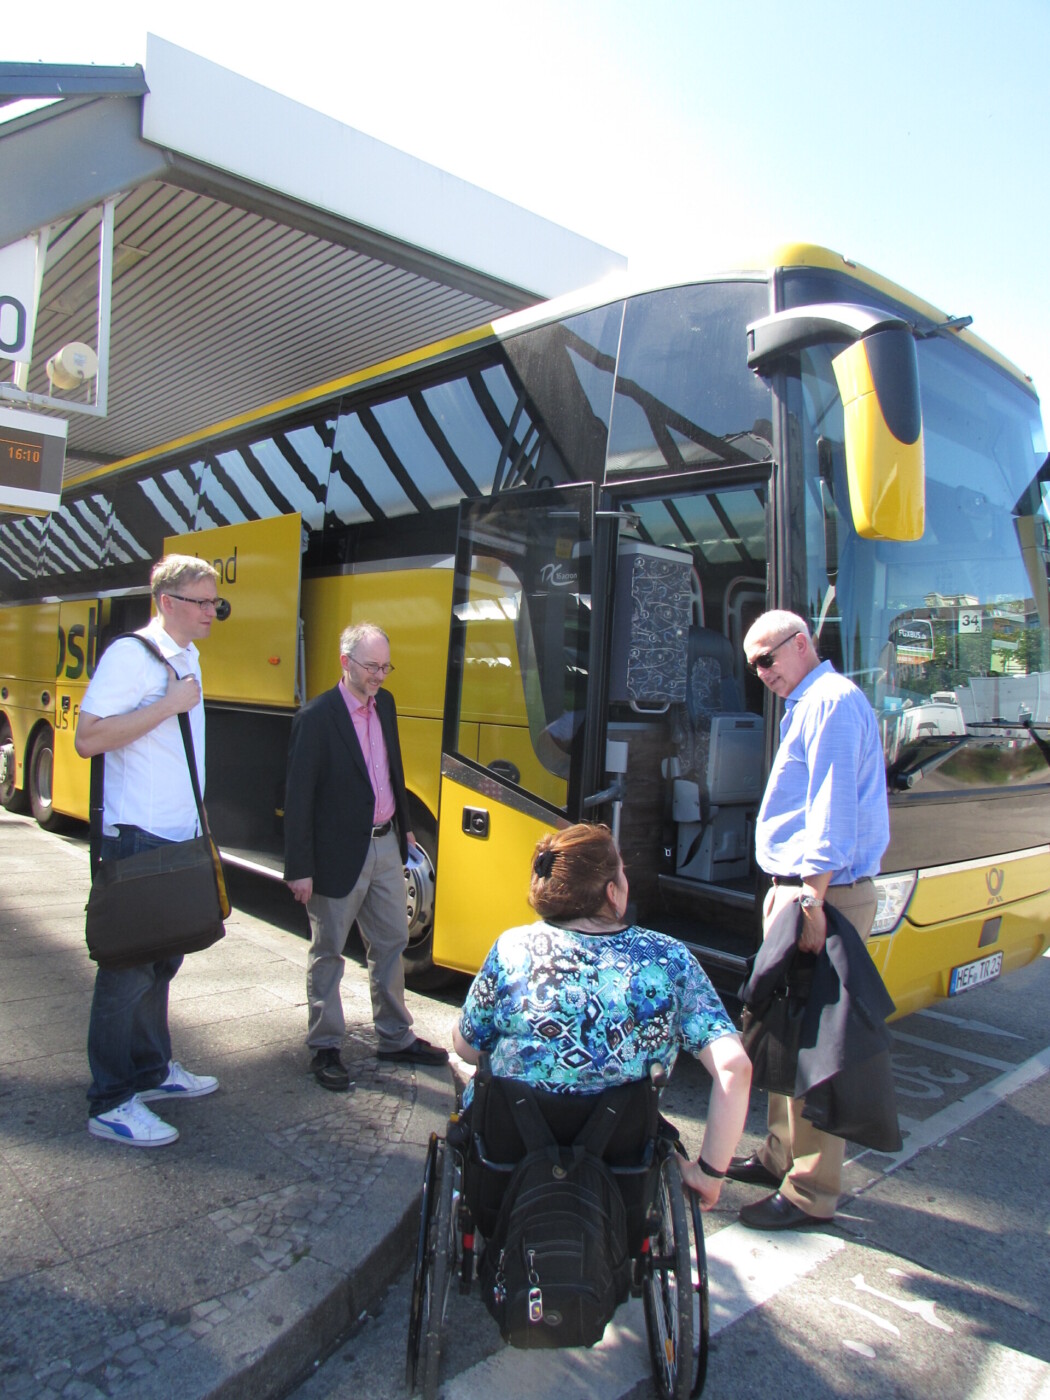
[260,249]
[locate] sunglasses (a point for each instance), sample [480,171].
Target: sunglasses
[765,659]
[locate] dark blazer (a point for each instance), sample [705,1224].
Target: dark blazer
[328,800]
[843,1071]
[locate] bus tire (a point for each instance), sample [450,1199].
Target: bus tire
[420,973]
[40,779]
[12,798]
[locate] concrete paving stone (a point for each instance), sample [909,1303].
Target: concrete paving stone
[27,1243]
[18,1045]
[47,1318]
[212,1006]
[25,1116]
[68,1160]
[159,1274]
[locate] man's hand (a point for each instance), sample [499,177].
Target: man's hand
[181,695]
[301,889]
[814,930]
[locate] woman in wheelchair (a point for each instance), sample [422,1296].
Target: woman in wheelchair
[581,1000]
[558,1187]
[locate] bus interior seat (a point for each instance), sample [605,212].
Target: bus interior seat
[718,782]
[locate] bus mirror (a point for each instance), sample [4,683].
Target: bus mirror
[878,380]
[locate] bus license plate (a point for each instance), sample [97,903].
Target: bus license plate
[975,974]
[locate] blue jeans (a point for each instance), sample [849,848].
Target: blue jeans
[128,1042]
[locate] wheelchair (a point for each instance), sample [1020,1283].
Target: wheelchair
[465,1179]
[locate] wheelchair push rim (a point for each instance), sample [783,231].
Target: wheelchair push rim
[674,1295]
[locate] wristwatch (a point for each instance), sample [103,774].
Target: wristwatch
[810,901]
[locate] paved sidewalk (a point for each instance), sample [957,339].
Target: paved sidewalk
[224,1264]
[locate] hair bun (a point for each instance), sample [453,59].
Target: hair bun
[544,864]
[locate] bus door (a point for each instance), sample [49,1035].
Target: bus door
[511,764]
[686,732]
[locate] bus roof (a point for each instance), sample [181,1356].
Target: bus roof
[261,248]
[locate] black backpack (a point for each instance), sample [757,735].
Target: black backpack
[556,1266]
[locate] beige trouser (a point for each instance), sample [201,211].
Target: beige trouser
[810,1161]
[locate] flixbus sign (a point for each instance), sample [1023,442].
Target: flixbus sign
[78,633]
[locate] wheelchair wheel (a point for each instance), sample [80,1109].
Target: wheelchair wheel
[419,1304]
[701,1297]
[434,1266]
[668,1293]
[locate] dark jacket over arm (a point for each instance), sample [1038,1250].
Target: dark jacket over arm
[329,802]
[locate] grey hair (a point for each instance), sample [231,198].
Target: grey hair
[777,621]
[357,632]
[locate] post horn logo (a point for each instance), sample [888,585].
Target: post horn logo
[995,879]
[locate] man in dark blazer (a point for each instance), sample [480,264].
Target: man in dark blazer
[346,839]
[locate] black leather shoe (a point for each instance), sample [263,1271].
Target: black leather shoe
[776,1212]
[329,1071]
[420,1052]
[752,1171]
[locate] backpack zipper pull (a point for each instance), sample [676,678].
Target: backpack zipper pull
[535,1292]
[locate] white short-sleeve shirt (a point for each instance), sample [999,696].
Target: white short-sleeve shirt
[148,781]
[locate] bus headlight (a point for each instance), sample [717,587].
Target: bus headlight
[893,893]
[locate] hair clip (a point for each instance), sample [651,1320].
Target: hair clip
[544,864]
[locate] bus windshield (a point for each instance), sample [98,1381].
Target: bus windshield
[947,636]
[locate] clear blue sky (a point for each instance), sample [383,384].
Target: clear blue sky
[909,134]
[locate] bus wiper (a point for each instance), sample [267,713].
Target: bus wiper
[907,778]
[953,323]
[1038,729]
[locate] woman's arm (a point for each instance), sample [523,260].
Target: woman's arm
[726,1061]
[463,1049]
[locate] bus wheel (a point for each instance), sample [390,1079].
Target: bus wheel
[11,797]
[420,972]
[39,781]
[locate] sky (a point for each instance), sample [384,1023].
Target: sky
[687,134]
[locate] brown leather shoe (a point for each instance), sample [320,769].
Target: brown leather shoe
[752,1171]
[420,1052]
[776,1212]
[329,1071]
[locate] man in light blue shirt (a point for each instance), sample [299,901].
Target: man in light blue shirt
[822,829]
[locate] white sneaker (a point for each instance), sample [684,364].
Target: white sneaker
[180,1084]
[133,1124]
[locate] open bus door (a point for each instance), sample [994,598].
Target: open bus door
[511,763]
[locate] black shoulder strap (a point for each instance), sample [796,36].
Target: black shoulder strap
[96,795]
[534,1129]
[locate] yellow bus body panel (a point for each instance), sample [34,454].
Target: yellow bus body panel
[251,657]
[412,606]
[80,625]
[28,665]
[483,883]
[950,922]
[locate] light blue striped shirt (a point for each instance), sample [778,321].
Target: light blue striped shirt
[824,807]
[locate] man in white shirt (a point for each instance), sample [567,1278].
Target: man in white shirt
[130,713]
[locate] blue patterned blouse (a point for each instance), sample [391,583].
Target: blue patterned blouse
[576,1013]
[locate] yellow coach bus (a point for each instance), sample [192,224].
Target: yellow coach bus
[567,521]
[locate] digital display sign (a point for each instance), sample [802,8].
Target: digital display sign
[32,456]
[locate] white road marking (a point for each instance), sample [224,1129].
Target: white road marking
[920,1307]
[890,1327]
[970,1056]
[963,1024]
[957,1115]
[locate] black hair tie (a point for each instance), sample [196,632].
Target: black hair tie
[544,864]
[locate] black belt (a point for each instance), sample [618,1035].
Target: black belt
[381,830]
[801,879]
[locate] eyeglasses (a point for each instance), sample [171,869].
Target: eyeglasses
[372,667]
[765,659]
[221,606]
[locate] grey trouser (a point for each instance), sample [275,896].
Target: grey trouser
[377,902]
[809,1160]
